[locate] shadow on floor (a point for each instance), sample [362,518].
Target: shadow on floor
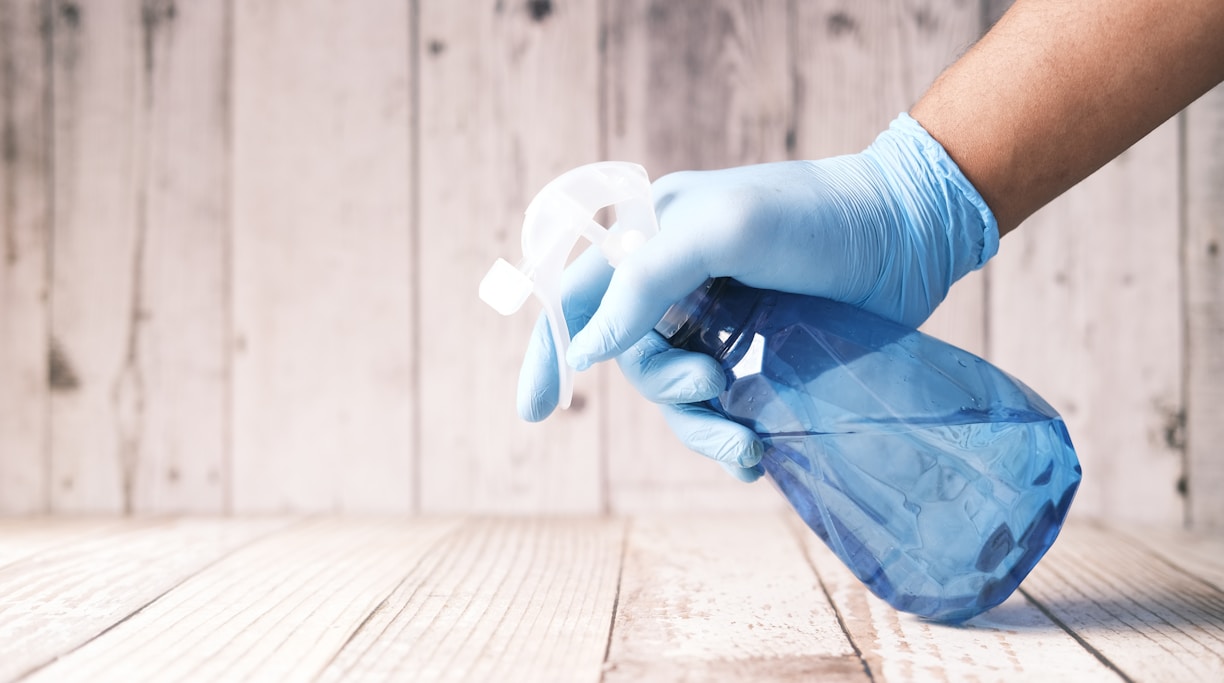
[1197,608]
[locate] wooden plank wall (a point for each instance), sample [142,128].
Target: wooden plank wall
[1202,130]
[241,242]
[321,173]
[25,227]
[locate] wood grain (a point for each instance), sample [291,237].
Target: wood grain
[1203,282]
[1084,302]
[1015,641]
[1195,553]
[322,257]
[858,65]
[508,101]
[137,361]
[99,170]
[504,599]
[277,609]
[21,537]
[668,598]
[174,384]
[25,232]
[61,598]
[723,598]
[1149,618]
[689,85]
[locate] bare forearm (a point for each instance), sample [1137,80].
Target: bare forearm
[1058,88]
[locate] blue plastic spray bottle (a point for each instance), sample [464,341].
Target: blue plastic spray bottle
[937,478]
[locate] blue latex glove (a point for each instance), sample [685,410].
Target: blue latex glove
[889,230]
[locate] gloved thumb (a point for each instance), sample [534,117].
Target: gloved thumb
[653,278]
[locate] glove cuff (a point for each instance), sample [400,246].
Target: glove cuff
[944,227]
[972,231]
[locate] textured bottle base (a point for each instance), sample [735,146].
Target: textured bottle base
[937,478]
[944,522]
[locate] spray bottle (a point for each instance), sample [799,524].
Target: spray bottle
[937,478]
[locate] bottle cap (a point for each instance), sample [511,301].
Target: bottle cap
[561,214]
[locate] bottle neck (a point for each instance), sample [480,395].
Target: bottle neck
[679,320]
[712,319]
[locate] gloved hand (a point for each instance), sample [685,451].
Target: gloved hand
[889,230]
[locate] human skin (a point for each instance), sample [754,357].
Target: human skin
[1056,89]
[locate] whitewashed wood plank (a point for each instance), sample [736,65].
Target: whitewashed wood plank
[1148,618]
[174,382]
[678,481]
[858,65]
[322,257]
[508,100]
[721,598]
[1015,641]
[99,154]
[1195,553]
[278,609]
[25,222]
[689,85]
[1085,309]
[21,537]
[59,599]
[1203,278]
[696,84]
[502,599]
[138,298]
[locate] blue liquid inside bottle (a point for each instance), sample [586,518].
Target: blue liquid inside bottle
[937,478]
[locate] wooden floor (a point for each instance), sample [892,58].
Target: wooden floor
[571,599]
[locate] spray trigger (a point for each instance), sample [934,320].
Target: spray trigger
[561,214]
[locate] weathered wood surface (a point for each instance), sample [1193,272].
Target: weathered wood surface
[508,599]
[136,359]
[24,537]
[723,598]
[241,242]
[58,599]
[660,598]
[1202,555]
[176,358]
[1016,640]
[25,220]
[274,610]
[1150,618]
[1203,280]
[322,379]
[99,122]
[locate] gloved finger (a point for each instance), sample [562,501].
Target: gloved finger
[744,474]
[539,385]
[663,271]
[582,287]
[664,374]
[712,435]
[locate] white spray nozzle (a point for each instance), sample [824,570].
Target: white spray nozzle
[505,287]
[559,215]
